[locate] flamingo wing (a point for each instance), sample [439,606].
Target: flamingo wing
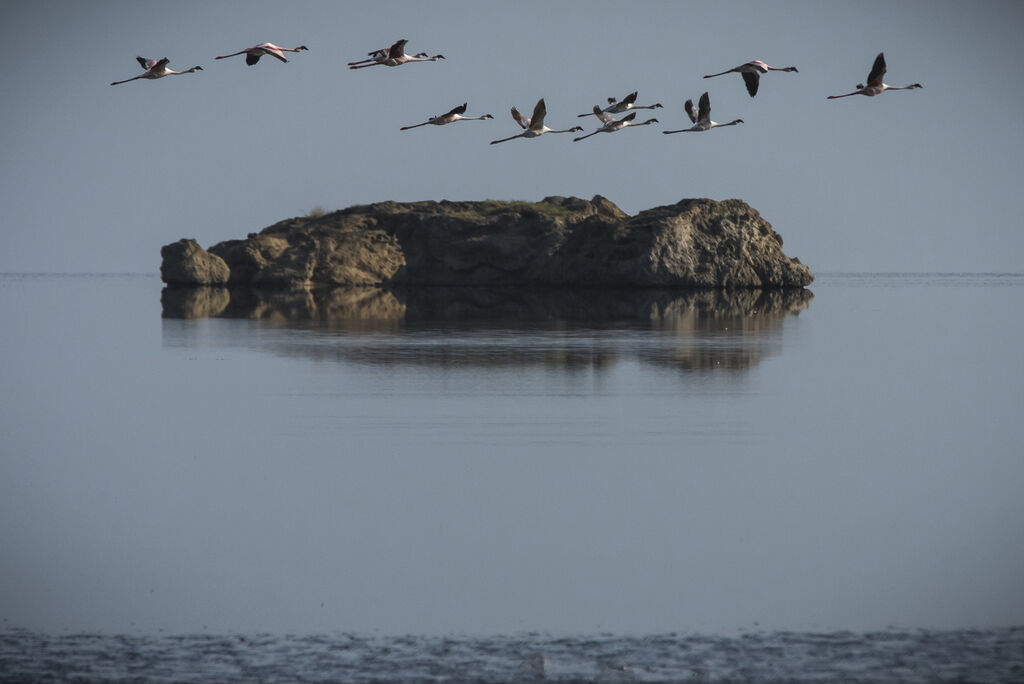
[877,70]
[520,119]
[145,63]
[704,109]
[630,99]
[604,116]
[272,50]
[539,112]
[628,117]
[252,57]
[691,111]
[752,79]
[159,65]
[461,109]
[398,49]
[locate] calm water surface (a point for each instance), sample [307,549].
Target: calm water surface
[838,474]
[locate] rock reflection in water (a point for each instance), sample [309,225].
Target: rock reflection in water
[342,303]
[567,329]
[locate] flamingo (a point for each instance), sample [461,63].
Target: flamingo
[157,69]
[535,124]
[702,118]
[624,105]
[875,85]
[611,124]
[395,57]
[450,117]
[751,72]
[253,54]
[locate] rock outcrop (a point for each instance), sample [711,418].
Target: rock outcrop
[186,263]
[558,242]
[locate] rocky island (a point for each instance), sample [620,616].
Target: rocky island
[559,242]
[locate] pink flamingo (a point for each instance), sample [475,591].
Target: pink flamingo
[395,57]
[624,105]
[875,85]
[157,69]
[535,124]
[751,72]
[611,124]
[450,117]
[701,118]
[253,54]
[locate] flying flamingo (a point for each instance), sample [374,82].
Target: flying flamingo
[751,72]
[611,124]
[253,54]
[395,57]
[450,117]
[702,118]
[535,124]
[875,85]
[157,69]
[624,105]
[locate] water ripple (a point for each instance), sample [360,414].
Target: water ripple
[995,655]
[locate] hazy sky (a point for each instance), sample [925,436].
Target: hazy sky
[96,178]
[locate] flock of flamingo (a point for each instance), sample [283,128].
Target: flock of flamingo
[700,116]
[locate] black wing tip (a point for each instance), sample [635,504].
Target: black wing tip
[752,80]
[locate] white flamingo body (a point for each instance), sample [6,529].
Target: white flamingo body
[156,69]
[701,117]
[450,117]
[535,124]
[253,54]
[393,56]
[624,105]
[875,85]
[751,73]
[611,124]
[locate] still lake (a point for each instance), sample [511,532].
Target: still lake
[445,463]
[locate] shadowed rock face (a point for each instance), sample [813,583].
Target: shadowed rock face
[558,242]
[186,263]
